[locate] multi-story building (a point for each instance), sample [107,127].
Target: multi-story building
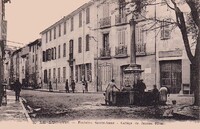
[93,43]
[68,49]
[34,63]
[15,65]
[24,59]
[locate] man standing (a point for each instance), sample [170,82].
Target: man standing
[109,92]
[155,95]
[17,89]
[73,86]
[67,86]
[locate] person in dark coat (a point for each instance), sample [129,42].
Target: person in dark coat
[17,89]
[67,86]
[155,95]
[141,88]
[50,87]
[73,86]
[86,86]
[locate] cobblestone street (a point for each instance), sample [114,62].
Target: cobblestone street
[64,107]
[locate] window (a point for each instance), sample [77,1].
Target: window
[54,75]
[44,56]
[80,19]
[165,30]
[46,37]
[58,75]
[29,48]
[106,41]
[49,74]
[71,46]
[87,42]
[88,72]
[139,35]
[65,27]
[36,57]
[33,48]
[49,54]
[59,32]
[106,10]
[50,35]
[72,24]
[54,32]
[59,51]
[33,58]
[121,37]
[54,52]
[64,74]
[79,45]
[122,5]
[87,15]
[64,50]
[45,76]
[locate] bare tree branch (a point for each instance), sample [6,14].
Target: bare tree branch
[182,26]
[194,12]
[169,5]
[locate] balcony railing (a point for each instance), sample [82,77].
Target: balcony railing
[121,51]
[71,56]
[105,22]
[141,49]
[105,52]
[120,19]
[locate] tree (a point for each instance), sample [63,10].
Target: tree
[186,25]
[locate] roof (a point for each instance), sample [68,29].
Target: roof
[37,41]
[69,16]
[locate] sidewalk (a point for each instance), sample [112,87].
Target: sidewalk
[14,111]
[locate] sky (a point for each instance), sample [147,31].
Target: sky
[27,18]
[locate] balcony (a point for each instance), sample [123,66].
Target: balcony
[105,22]
[121,51]
[105,53]
[120,19]
[141,49]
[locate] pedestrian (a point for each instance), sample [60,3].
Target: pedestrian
[155,95]
[67,86]
[109,92]
[17,89]
[83,86]
[163,92]
[86,86]
[141,88]
[73,86]
[50,87]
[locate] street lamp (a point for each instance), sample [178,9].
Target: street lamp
[133,69]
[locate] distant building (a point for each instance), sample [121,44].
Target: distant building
[15,65]
[7,56]
[34,63]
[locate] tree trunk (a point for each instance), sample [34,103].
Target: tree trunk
[195,81]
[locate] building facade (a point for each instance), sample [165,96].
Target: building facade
[68,50]
[34,63]
[96,47]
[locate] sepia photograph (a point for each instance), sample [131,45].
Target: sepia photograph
[119,63]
